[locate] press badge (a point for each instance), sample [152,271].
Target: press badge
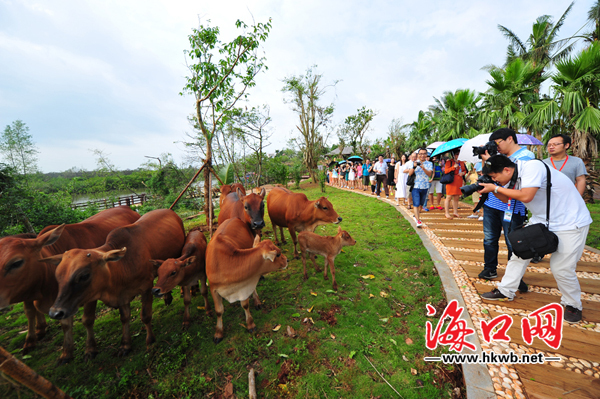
[508,213]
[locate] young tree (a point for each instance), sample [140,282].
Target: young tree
[355,128]
[17,146]
[304,93]
[220,74]
[396,139]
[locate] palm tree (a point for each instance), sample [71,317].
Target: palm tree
[421,130]
[457,114]
[594,19]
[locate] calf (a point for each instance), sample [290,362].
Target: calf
[24,279]
[329,247]
[185,271]
[234,263]
[297,213]
[118,271]
[250,208]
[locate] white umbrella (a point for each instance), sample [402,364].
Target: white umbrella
[466,151]
[435,145]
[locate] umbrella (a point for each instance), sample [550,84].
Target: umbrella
[355,158]
[387,160]
[528,139]
[341,162]
[449,146]
[466,152]
[331,164]
[435,145]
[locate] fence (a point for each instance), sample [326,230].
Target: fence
[105,203]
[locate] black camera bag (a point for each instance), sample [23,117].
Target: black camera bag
[536,239]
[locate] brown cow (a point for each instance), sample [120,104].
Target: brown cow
[250,208]
[297,213]
[234,263]
[118,271]
[185,271]
[24,279]
[329,247]
[230,188]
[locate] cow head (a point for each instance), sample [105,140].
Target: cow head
[347,240]
[272,256]
[325,213]
[170,274]
[81,274]
[254,208]
[19,265]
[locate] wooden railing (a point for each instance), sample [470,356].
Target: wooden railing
[105,203]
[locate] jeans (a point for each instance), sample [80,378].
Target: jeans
[493,223]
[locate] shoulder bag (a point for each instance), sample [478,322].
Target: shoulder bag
[447,178]
[535,239]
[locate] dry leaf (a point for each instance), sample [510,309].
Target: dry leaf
[383,294]
[413,371]
[368,277]
[283,387]
[228,390]
[332,336]
[291,332]
[277,327]
[201,308]
[311,308]
[408,341]
[404,358]
[313,293]
[311,320]
[371,296]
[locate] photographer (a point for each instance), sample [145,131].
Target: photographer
[498,216]
[569,220]
[422,170]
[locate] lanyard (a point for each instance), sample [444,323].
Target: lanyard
[563,165]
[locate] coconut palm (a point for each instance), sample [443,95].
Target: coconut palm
[421,130]
[594,20]
[457,114]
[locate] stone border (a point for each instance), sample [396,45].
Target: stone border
[478,381]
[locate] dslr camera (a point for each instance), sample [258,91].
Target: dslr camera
[491,147]
[471,188]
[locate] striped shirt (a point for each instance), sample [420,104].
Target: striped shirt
[517,206]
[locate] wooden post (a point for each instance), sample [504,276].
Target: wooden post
[19,371]
[188,185]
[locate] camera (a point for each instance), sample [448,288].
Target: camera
[418,163]
[471,188]
[491,147]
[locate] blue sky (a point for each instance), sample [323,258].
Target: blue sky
[86,75]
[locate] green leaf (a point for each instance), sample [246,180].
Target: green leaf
[270,343]
[283,355]
[225,173]
[393,341]
[352,353]
[296,315]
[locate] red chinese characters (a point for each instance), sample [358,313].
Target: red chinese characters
[547,328]
[501,334]
[455,333]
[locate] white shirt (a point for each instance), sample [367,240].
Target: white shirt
[380,167]
[567,209]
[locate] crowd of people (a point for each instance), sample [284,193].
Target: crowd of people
[517,184]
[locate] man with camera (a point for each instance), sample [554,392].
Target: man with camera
[568,218]
[497,215]
[422,169]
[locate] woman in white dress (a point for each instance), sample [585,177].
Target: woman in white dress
[351,176]
[400,178]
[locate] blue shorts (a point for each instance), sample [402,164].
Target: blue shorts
[419,195]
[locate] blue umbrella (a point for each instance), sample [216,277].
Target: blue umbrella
[449,146]
[355,158]
[341,162]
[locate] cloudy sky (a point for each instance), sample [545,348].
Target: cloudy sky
[106,75]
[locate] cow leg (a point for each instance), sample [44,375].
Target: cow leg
[68,341]
[218,337]
[187,299]
[147,317]
[331,259]
[283,241]
[204,292]
[295,241]
[325,269]
[125,313]
[303,253]
[276,241]
[257,303]
[30,339]
[88,320]
[250,326]
[314,261]
[41,325]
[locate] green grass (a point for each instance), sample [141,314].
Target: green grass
[593,238]
[335,331]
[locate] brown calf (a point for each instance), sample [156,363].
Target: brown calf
[185,271]
[329,247]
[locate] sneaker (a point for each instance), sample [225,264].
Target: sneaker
[419,223]
[473,216]
[441,208]
[523,288]
[480,218]
[378,196]
[537,259]
[488,274]
[572,315]
[495,295]
[426,209]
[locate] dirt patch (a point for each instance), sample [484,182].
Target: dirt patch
[287,372]
[329,316]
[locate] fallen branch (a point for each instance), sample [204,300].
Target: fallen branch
[386,381]
[251,385]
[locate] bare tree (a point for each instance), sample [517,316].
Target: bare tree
[354,129]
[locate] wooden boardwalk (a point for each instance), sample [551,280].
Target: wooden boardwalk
[577,374]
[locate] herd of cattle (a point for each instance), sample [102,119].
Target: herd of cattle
[116,255]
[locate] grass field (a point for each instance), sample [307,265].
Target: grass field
[310,342]
[593,238]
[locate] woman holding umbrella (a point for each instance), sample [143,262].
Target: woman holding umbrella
[458,169]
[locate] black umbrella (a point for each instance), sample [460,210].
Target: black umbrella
[332,163]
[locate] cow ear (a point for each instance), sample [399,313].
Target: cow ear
[189,261]
[256,241]
[54,260]
[339,229]
[263,192]
[270,255]
[239,193]
[317,204]
[156,263]
[114,255]
[51,236]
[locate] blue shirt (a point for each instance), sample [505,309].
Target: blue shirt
[517,206]
[421,178]
[365,169]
